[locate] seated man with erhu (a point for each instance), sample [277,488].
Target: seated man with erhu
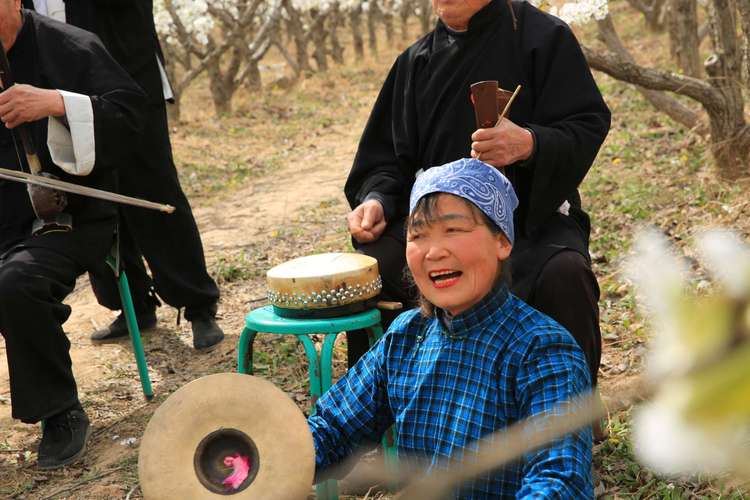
[82,111]
[547,142]
[472,360]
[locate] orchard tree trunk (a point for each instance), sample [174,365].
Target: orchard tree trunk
[654,12]
[222,83]
[318,36]
[253,81]
[743,9]
[355,22]
[296,31]
[425,15]
[372,19]
[683,36]
[387,13]
[404,12]
[335,19]
[729,131]
[221,93]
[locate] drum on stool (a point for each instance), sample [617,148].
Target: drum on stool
[227,435]
[324,285]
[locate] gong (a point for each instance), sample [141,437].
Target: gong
[183,454]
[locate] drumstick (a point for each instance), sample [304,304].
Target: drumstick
[502,115]
[389,306]
[507,105]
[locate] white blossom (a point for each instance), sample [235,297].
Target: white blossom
[667,443]
[698,420]
[659,277]
[308,5]
[193,14]
[728,259]
[581,11]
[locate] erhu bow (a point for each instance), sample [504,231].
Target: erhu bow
[46,192]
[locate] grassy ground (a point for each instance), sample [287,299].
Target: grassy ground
[649,171]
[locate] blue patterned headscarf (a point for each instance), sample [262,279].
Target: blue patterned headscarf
[474,181]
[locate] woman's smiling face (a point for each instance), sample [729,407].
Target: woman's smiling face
[455,259]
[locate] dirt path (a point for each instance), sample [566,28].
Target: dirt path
[270,201]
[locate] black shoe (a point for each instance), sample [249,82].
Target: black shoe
[206,333]
[64,439]
[119,328]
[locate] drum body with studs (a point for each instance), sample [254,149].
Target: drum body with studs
[227,436]
[324,285]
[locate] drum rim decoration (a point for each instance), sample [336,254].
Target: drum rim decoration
[357,281]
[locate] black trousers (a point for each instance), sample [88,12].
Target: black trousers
[33,284]
[565,289]
[170,243]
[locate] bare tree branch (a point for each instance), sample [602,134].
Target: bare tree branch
[653,79]
[659,100]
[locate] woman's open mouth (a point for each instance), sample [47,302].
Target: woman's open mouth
[444,278]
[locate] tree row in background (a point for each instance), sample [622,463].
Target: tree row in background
[702,87]
[228,39]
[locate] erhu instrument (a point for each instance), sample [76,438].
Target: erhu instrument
[48,204]
[491,104]
[46,192]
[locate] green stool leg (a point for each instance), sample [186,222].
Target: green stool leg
[245,354]
[326,362]
[320,382]
[313,367]
[376,332]
[135,334]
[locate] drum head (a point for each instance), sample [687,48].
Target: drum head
[183,449]
[322,281]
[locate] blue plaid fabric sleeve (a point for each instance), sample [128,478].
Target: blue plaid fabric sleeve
[353,412]
[551,374]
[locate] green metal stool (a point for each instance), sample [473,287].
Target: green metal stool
[320,367]
[113,260]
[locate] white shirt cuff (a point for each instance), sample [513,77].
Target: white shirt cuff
[165,86]
[56,10]
[52,8]
[564,208]
[73,149]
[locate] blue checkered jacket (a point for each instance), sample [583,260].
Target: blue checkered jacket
[446,383]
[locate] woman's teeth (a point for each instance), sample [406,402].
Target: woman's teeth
[437,276]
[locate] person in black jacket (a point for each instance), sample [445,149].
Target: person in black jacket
[424,117]
[82,111]
[170,243]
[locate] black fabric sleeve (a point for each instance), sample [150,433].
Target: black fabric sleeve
[377,167]
[576,121]
[116,99]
